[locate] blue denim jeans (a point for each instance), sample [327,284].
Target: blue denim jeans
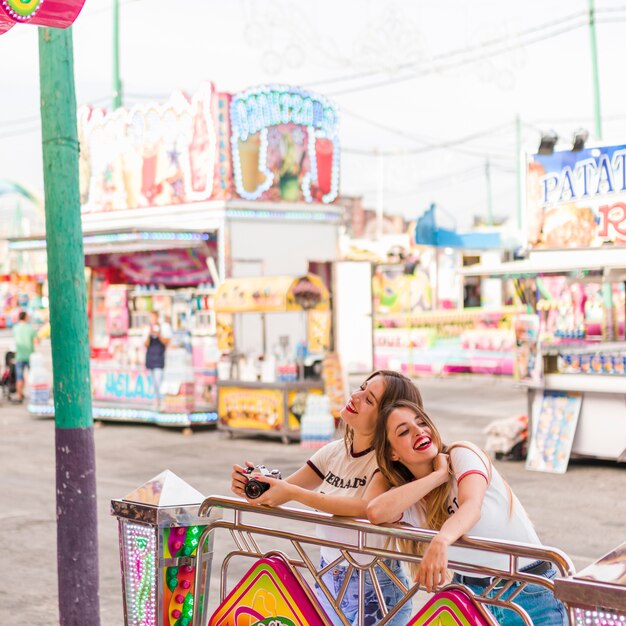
[157,381]
[334,578]
[539,602]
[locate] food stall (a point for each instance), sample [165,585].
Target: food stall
[263,387]
[570,345]
[130,274]
[413,336]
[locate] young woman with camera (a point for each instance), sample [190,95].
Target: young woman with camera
[338,479]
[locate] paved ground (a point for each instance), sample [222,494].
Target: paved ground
[581,512]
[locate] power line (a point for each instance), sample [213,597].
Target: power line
[428,145]
[451,53]
[459,63]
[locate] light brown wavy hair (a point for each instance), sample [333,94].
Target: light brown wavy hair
[396,474]
[397,387]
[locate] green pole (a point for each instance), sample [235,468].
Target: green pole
[597,114]
[518,169]
[77,538]
[117,82]
[489,196]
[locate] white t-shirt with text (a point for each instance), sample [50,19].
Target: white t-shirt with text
[343,474]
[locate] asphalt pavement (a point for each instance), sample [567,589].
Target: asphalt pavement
[582,512]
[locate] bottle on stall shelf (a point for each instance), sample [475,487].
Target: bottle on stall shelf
[317,425]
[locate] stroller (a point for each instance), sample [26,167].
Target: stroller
[8,382]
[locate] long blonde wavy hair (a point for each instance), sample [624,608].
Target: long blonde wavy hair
[397,387]
[396,474]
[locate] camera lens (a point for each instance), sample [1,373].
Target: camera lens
[253,489]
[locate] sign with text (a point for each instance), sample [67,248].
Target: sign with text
[284,144]
[577,199]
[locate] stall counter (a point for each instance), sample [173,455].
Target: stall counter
[272,409]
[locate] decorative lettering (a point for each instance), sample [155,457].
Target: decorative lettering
[613,216]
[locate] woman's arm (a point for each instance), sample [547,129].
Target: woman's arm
[432,570]
[390,505]
[305,477]
[281,491]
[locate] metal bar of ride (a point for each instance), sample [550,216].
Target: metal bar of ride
[502,581]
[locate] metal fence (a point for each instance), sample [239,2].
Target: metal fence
[246,531]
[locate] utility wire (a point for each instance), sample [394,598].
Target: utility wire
[455,64]
[451,53]
[426,145]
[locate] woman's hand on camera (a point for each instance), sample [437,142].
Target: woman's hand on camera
[239,479]
[433,568]
[278,493]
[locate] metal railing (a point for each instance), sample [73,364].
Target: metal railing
[361,538]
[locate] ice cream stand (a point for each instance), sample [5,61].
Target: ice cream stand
[268,395]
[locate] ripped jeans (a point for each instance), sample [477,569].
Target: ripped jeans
[334,578]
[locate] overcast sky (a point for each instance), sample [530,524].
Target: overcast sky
[407,74]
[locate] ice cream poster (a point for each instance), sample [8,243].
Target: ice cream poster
[553,429]
[269,594]
[284,145]
[577,199]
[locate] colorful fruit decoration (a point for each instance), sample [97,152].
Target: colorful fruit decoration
[179,581]
[453,606]
[51,13]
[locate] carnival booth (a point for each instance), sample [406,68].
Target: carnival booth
[130,274]
[570,343]
[263,388]
[421,326]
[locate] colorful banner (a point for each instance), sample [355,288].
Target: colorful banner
[257,409]
[52,14]
[553,431]
[150,155]
[132,386]
[577,199]
[264,294]
[271,143]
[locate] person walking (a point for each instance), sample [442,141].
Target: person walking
[157,338]
[25,337]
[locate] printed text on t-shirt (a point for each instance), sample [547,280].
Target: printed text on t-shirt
[351,483]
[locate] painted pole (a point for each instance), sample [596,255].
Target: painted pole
[597,111]
[77,538]
[380,190]
[489,194]
[518,170]
[117,82]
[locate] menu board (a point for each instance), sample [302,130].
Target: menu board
[553,430]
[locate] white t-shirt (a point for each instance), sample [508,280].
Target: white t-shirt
[495,521]
[344,474]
